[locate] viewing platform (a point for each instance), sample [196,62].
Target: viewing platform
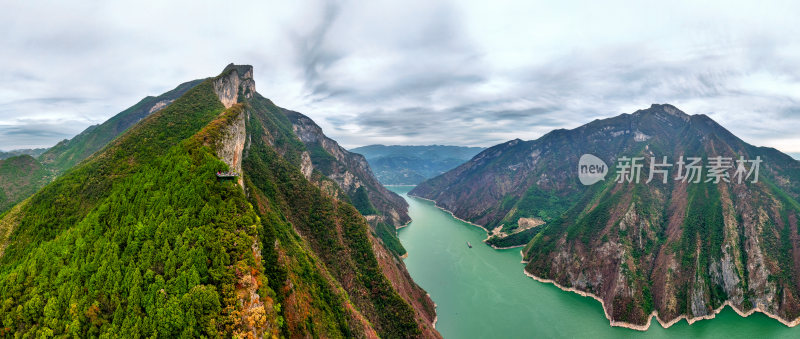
[227,175]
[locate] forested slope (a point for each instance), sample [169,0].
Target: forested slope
[144,239]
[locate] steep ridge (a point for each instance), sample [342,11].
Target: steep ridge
[68,153]
[384,210]
[121,244]
[675,249]
[143,238]
[353,259]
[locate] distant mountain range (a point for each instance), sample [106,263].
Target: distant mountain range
[672,248]
[144,236]
[410,165]
[34,168]
[34,152]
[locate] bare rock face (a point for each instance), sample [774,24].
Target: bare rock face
[349,170]
[306,166]
[673,249]
[232,144]
[158,106]
[234,78]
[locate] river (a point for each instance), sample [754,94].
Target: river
[482,292]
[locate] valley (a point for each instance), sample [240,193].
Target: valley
[481,292]
[400,169]
[411,165]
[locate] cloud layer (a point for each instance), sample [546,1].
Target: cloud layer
[411,72]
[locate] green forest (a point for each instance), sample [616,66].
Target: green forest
[143,240]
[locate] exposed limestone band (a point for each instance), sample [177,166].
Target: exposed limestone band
[665,324]
[654,314]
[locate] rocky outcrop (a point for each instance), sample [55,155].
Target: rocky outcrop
[305,165]
[235,80]
[334,171]
[349,170]
[231,145]
[159,105]
[676,250]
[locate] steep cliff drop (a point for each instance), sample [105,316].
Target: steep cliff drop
[665,248]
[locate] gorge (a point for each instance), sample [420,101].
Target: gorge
[482,292]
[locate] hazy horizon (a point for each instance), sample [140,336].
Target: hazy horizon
[416,73]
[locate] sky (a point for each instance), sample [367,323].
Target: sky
[473,73]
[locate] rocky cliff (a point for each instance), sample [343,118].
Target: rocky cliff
[176,251]
[234,81]
[670,248]
[230,147]
[349,170]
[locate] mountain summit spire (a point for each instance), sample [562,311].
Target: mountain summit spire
[234,80]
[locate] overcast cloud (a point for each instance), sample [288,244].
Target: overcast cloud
[410,72]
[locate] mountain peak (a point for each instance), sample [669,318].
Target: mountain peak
[244,71]
[665,108]
[234,80]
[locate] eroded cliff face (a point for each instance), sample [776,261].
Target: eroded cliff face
[232,143]
[158,106]
[395,270]
[673,249]
[349,170]
[254,122]
[234,80]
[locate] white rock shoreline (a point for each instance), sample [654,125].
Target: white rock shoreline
[654,314]
[468,222]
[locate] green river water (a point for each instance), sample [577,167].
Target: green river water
[482,292]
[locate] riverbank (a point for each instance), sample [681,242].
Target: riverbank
[403,225]
[654,314]
[479,292]
[664,324]
[451,213]
[488,234]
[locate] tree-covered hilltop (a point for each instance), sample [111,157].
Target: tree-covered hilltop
[144,239]
[411,165]
[674,248]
